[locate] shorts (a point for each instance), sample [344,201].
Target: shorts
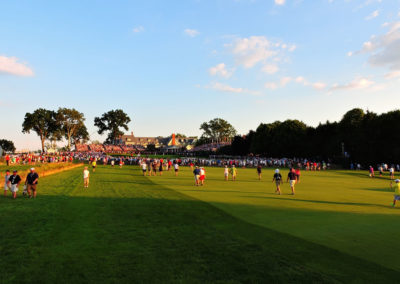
[31,187]
[6,187]
[278,183]
[197,177]
[144,170]
[202,177]
[396,197]
[226,174]
[176,170]
[292,183]
[93,167]
[14,188]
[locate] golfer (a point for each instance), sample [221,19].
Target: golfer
[31,183]
[86,174]
[196,173]
[14,182]
[292,179]
[396,187]
[278,180]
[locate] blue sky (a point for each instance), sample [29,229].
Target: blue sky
[173,64]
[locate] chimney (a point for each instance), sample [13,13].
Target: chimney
[132,133]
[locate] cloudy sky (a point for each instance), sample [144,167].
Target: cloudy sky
[173,64]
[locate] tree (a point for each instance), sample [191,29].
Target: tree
[71,123]
[112,121]
[41,121]
[7,145]
[81,136]
[218,130]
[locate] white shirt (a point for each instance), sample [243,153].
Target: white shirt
[144,166]
[176,166]
[85,173]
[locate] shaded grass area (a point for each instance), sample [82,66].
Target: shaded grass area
[349,213]
[125,228]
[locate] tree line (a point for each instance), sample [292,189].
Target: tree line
[69,124]
[360,136]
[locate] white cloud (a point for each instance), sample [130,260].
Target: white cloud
[319,85]
[357,83]
[258,50]
[350,53]
[373,15]
[301,80]
[220,69]
[270,68]
[138,29]
[280,2]
[226,88]
[384,49]
[292,48]
[285,80]
[10,65]
[393,74]
[191,32]
[271,85]
[252,50]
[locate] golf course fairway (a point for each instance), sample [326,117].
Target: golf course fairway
[126,227]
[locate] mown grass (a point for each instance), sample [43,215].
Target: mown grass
[130,228]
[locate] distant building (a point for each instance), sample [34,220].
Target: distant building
[159,142]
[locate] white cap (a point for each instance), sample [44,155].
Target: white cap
[32,169]
[277,171]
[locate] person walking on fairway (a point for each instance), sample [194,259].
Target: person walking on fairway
[226,172]
[94,164]
[371,172]
[259,169]
[292,179]
[233,172]
[277,179]
[144,167]
[31,183]
[86,174]
[391,171]
[14,182]
[396,187]
[176,167]
[202,176]
[6,183]
[196,173]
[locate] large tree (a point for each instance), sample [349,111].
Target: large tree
[111,122]
[81,136]
[218,130]
[7,145]
[72,124]
[41,121]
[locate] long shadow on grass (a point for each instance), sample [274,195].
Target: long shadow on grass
[295,199]
[364,175]
[82,239]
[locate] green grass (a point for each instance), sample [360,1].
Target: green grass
[129,228]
